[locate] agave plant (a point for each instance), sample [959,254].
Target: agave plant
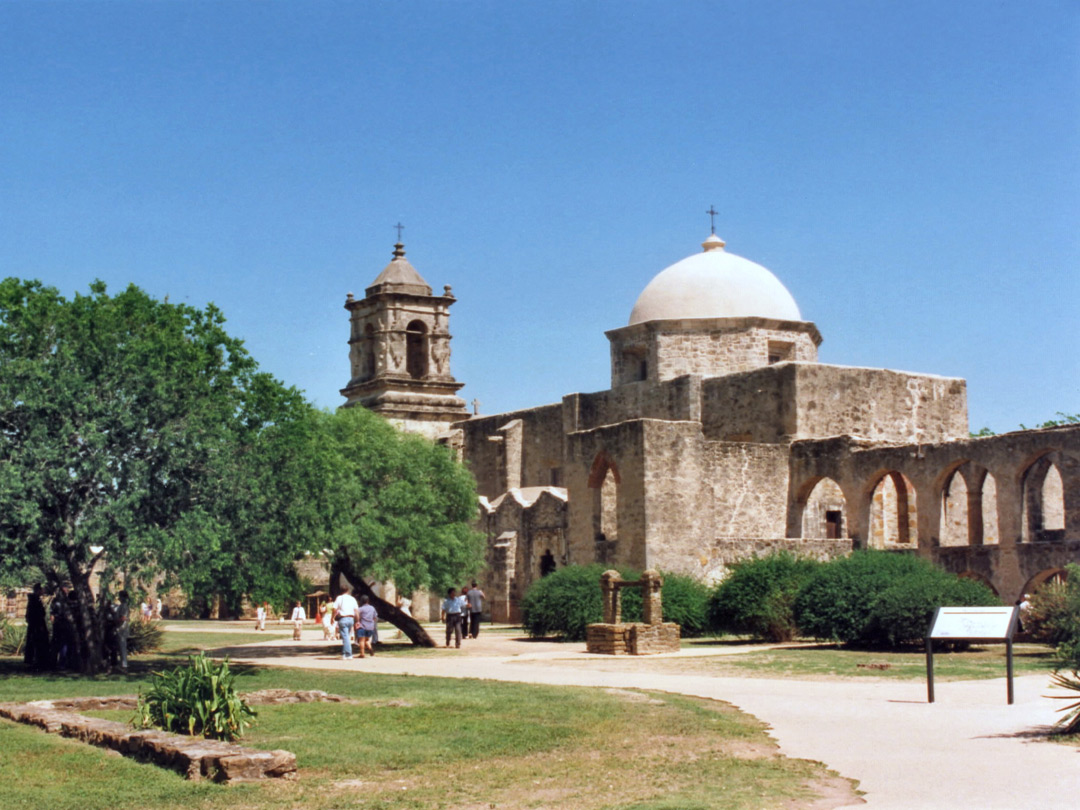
[1070,723]
[197,699]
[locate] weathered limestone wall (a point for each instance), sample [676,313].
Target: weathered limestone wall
[715,559]
[502,455]
[879,404]
[1005,476]
[522,528]
[790,401]
[675,400]
[707,347]
[620,447]
[680,501]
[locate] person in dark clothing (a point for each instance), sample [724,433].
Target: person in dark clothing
[36,654]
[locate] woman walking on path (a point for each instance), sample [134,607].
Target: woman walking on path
[365,628]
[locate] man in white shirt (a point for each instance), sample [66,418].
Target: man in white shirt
[298,617]
[346,609]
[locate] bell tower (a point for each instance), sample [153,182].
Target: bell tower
[399,351]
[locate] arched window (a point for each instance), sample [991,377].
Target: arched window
[823,514]
[1043,502]
[416,349]
[604,483]
[892,512]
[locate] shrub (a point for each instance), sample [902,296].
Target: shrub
[144,637]
[758,594]
[565,602]
[686,602]
[198,699]
[901,614]
[1054,617]
[12,638]
[878,598]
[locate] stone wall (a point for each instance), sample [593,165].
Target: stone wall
[501,454]
[707,347]
[714,560]
[677,399]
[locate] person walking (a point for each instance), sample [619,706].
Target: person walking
[365,626]
[122,622]
[36,652]
[298,618]
[475,599]
[260,617]
[327,620]
[345,612]
[452,607]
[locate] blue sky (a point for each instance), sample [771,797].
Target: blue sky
[910,170]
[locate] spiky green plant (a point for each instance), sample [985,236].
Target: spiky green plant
[1070,723]
[199,698]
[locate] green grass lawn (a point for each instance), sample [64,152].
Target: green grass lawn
[410,742]
[834,662]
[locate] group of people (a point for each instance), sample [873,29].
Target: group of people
[353,618]
[461,613]
[356,620]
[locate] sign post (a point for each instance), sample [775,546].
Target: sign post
[975,624]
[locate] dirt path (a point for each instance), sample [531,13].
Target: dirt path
[967,750]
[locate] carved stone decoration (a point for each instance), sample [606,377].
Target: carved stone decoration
[440,354]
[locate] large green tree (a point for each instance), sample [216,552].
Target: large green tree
[138,435]
[401,510]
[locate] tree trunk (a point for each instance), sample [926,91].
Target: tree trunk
[89,630]
[387,612]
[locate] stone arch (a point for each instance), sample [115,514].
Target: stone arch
[1042,500]
[416,349]
[893,514]
[1047,575]
[604,482]
[977,577]
[822,509]
[957,526]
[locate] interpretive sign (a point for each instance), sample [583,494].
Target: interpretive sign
[981,624]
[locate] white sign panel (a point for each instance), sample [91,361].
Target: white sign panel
[972,622]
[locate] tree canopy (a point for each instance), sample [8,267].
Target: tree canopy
[401,509]
[138,439]
[139,435]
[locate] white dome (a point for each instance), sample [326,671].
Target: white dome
[714,284]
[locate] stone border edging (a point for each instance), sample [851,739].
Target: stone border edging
[195,757]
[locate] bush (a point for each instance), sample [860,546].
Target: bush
[565,602]
[877,598]
[901,614]
[1053,616]
[197,699]
[144,637]
[12,638]
[758,594]
[686,602]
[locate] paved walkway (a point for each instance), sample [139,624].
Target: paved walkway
[967,750]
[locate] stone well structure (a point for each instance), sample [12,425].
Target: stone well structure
[648,637]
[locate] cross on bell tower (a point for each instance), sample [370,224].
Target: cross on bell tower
[712,212]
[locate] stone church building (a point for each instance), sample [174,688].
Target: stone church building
[722,436]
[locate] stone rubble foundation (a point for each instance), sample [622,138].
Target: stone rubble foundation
[195,757]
